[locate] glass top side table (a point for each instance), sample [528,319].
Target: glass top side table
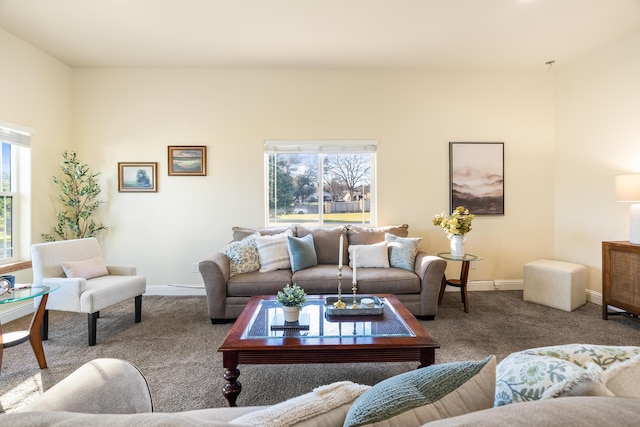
[464,275]
[23,293]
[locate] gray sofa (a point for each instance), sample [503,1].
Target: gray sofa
[112,392]
[416,287]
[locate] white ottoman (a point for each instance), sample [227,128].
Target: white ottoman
[556,284]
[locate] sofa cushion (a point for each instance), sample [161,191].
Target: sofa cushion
[375,255]
[402,251]
[624,379]
[565,412]
[360,235]
[302,252]
[85,268]
[326,241]
[426,394]
[240,233]
[256,283]
[318,405]
[274,251]
[243,255]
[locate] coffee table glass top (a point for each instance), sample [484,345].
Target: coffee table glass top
[387,324]
[25,292]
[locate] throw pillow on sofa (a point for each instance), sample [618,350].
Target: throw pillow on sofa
[274,252]
[375,255]
[243,255]
[426,394]
[326,241]
[360,235]
[402,251]
[302,252]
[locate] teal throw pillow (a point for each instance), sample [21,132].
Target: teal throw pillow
[426,394]
[302,252]
[402,251]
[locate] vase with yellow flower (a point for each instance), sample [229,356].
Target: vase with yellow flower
[456,226]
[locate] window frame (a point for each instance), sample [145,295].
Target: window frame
[322,147]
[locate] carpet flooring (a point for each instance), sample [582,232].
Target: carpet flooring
[175,346]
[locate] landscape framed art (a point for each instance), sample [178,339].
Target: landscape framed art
[137,177]
[476,177]
[188,160]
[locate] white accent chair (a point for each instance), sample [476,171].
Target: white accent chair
[79,290]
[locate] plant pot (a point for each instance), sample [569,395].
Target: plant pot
[457,245]
[291,314]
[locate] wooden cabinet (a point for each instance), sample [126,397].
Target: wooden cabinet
[620,278]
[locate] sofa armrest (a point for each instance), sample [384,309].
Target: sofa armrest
[216,271]
[121,270]
[67,296]
[430,269]
[102,386]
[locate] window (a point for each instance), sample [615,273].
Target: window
[320,182]
[14,155]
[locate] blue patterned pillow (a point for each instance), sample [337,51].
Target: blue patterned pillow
[426,394]
[302,252]
[402,251]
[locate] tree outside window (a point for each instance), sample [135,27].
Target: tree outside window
[320,184]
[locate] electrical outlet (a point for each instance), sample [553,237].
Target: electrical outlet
[474,264]
[194,268]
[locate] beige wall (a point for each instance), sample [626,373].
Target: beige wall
[134,114]
[598,137]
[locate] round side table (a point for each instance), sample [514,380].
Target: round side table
[464,275]
[24,293]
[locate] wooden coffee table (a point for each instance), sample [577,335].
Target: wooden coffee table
[393,336]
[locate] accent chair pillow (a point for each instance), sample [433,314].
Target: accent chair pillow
[274,252]
[302,252]
[375,255]
[426,394]
[324,406]
[86,269]
[243,255]
[402,251]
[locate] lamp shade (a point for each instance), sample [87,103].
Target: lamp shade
[628,188]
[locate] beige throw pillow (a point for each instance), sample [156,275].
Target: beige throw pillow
[86,268]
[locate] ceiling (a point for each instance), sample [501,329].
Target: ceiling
[351,34]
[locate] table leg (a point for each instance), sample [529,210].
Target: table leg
[443,286]
[1,346]
[427,357]
[464,276]
[233,387]
[34,332]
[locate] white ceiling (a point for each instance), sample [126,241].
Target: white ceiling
[435,34]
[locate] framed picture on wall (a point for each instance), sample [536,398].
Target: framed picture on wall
[188,160]
[476,177]
[137,177]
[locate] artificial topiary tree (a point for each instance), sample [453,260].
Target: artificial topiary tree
[79,189]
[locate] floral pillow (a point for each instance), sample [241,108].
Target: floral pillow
[243,255]
[547,372]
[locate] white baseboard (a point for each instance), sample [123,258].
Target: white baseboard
[175,290]
[16,311]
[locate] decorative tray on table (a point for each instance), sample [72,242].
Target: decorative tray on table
[349,310]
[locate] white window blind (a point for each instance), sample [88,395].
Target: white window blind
[15,134]
[330,147]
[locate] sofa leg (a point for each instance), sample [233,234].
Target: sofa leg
[138,303]
[221,321]
[93,323]
[431,317]
[44,328]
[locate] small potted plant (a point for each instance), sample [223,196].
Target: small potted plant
[291,297]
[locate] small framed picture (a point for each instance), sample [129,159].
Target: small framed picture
[137,177]
[188,160]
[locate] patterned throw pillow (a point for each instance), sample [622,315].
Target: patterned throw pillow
[402,251]
[243,255]
[426,394]
[547,372]
[274,252]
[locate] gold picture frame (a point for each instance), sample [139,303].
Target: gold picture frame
[187,160]
[138,177]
